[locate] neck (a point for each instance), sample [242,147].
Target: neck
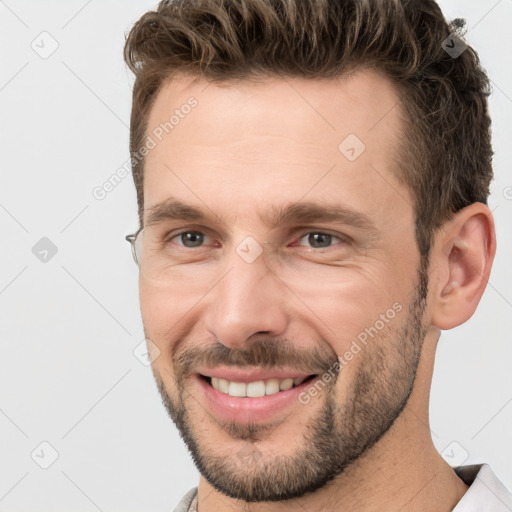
[402,471]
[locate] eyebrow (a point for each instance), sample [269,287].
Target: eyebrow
[292,213]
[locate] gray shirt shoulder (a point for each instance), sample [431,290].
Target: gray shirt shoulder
[186,501]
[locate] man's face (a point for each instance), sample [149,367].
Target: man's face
[253,298]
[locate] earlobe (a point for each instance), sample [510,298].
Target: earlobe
[463,254]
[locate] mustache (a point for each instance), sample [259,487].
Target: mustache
[263,352]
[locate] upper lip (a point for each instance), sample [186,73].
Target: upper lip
[253,375]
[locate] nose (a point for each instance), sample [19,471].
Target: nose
[250,299]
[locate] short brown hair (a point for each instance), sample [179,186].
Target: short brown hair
[444,155]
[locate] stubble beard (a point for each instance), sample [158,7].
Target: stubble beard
[339,434]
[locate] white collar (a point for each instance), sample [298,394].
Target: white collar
[485,493]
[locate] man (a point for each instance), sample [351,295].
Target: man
[312,180]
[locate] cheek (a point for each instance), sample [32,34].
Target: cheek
[160,312]
[153,306]
[164,306]
[355,308]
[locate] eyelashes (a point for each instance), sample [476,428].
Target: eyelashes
[313,237]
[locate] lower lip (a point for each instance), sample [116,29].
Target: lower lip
[248,409]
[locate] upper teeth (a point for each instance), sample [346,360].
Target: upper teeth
[254,389]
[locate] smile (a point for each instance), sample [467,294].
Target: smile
[251,395]
[255,389]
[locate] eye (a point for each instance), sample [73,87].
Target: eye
[193,239]
[189,239]
[320,240]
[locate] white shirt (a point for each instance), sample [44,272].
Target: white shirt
[485,494]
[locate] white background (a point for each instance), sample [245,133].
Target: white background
[69,326]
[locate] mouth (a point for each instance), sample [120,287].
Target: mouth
[255,396]
[255,388]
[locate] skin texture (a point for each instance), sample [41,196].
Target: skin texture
[363,442]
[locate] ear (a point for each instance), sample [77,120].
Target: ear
[461,259]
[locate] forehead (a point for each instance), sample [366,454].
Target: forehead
[356,102]
[277,141]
